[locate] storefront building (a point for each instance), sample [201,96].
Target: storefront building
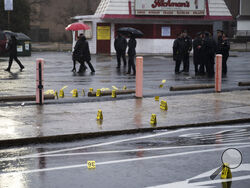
[159,20]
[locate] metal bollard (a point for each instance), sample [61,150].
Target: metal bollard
[218,73]
[139,77]
[39,81]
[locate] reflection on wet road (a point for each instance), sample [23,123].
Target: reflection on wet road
[180,157]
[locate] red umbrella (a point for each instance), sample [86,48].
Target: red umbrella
[77,26]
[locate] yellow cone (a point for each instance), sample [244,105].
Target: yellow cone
[153,120]
[157,98]
[164,105]
[99,115]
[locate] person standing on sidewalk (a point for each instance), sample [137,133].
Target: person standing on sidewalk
[131,54]
[187,49]
[85,54]
[225,47]
[12,47]
[120,48]
[197,54]
[178,52]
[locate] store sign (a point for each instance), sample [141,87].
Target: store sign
[170,7]
[103,32]
[8,5]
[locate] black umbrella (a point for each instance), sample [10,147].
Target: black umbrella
[130,31]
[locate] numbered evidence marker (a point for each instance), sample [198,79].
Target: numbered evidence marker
[91,164]
[164,105]
[226,172]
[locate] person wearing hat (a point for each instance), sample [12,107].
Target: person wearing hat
[12,47]
[187,49]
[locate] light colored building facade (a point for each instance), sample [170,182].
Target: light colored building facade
[159,20]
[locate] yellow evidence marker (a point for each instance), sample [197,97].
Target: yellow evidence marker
[124,87]
[61,93]
[91,164]
[114,87]
[74,93]
[98,92]
[91,90]
[113,93]
[157,98]
[226,172]
[164,105]
[99,115]
[153,120]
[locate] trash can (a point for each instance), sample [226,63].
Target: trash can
[23,43]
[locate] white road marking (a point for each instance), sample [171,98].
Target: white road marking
[121,161]
[121,151]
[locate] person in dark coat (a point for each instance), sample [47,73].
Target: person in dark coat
[77,55]
[203,55]
[178,52]
[85,54]
[12,47]
[197,54]
[120,48]
[225,47]
[210,54]
[131,54]
[187,49]
[219,41]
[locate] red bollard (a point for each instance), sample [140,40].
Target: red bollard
[218,73]
[39,81]
[139,77]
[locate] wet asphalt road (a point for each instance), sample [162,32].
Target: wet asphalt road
[156,68]
[180,158]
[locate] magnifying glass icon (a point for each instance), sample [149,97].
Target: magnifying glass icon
[230,158]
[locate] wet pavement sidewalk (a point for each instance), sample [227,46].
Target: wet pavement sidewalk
[31,121]
[58,66]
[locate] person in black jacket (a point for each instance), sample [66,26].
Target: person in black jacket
[178,52]
[131,54]
[187,49]
[85,54]
[197,54]
[12,47]
[76,56]
[120,48]
[225,47]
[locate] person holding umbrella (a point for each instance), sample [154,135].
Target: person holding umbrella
[131,54]
[12,47]
[85,54]
[120,48]
[76,56]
